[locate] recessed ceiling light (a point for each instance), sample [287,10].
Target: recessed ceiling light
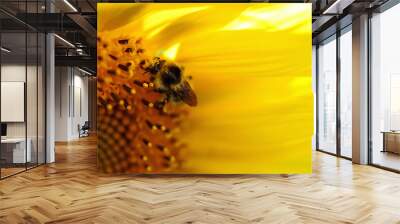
[84,71]
[70,5]
[5,50]
[338,6]
[65,41]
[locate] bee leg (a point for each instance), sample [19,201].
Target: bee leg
[160,105]
[159,90]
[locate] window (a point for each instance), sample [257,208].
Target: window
[327,95]
[385,89]
[346,92]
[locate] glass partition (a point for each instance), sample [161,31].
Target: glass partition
[14,146]
[327,95]
[22,90]
[385,89]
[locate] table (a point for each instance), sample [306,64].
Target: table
[391,141]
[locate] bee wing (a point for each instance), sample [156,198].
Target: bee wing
[187,94]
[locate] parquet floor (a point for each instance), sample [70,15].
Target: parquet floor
[10,171]
[72,191]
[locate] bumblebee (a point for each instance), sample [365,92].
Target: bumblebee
[169,79]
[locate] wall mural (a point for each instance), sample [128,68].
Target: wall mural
[204,88]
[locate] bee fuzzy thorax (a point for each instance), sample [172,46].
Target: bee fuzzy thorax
[141,103]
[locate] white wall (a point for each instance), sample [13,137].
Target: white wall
[11,73]
[80,102]
[71,94]
[15,73]
[62,82]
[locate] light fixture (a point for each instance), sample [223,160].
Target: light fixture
[70,5]
[5,50]
[338,6]
[65,41]
[80,51]
[84,71]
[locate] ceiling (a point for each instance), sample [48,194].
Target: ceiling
[76,22]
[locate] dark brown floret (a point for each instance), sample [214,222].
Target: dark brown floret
[123,41]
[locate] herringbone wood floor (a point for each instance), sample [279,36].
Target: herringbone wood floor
[72,191]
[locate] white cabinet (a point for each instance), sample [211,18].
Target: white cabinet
[17,146]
